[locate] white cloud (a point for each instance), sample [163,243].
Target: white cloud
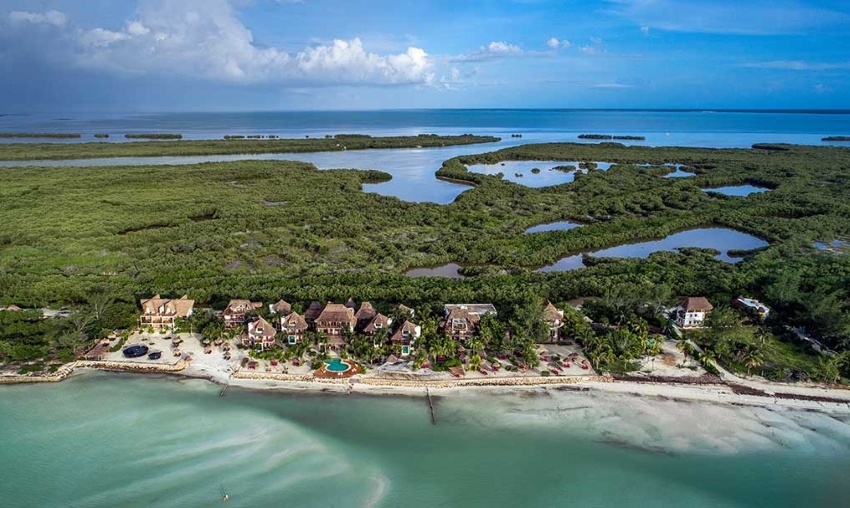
[54,18]
[493,51]
[556,43]
[101,38]
[206,39]
[500,47]
[136,28]
[349,61]
[644,30]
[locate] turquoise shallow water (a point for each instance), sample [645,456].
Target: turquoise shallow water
[115,440]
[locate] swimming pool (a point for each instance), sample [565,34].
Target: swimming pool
[337,365]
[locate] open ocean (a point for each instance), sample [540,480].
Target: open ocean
[684,128]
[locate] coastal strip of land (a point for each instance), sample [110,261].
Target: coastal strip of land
[340,142]
[809,398]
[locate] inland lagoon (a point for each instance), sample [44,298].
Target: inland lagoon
[104,440]
[737,190]
[720,239]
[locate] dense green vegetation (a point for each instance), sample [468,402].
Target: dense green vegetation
[45,151]
[205,230]
[52,135]
[603,137]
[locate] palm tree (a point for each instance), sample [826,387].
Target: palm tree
[707,356]
[476,345]
[475,362]
[752,358]
[100,303]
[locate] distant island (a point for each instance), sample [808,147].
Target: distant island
[153,136]
[54,135]
[340,142]
[836,138]
[609,136]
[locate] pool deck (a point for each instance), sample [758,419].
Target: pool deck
[325,373]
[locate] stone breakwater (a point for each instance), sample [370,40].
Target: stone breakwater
[66,370]
[425,383]
[505,381]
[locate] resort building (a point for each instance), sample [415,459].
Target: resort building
[313,311]
[282,308]
[294,326]
[462,318]
[335,318]
[405,337]
[364,315]
[351,304]
[161,313]
[375,325]
[691,313]
[554,318]
[260,332]
[237,312]
[404,309]
[752,306]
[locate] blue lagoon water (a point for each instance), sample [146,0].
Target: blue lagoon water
[721,239]
[413,169]
[737,190]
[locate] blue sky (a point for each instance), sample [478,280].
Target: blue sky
[223,55]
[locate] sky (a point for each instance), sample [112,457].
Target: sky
[251,55]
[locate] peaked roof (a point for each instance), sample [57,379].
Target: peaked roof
[263,326]
[462,313]
[282,306]
[408,327]
[294,319]
[376,323]
[550,312]
[336,313]
[180,307]
[13,308]
[365,312]
[313,310]
[350,303]
[236,305]
[696,303]
[404,308]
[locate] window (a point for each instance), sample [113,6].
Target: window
[292,339]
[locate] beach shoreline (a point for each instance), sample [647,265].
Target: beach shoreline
[807,398]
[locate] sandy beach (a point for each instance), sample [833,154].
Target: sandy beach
[194,363]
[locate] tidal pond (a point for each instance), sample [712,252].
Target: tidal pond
[563,225]
[546,177]
[449,270]
[720,239]
[737,190]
